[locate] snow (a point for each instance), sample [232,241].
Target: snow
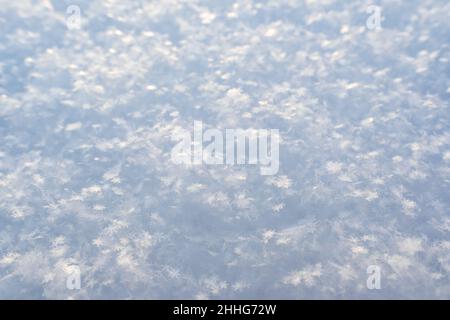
[88,108]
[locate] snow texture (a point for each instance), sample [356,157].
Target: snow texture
[86,179]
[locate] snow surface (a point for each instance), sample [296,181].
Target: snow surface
[86,118]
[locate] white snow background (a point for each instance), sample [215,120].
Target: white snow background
[86,117]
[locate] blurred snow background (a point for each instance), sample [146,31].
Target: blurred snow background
[86,179]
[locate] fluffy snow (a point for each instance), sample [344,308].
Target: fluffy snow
[87,114]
